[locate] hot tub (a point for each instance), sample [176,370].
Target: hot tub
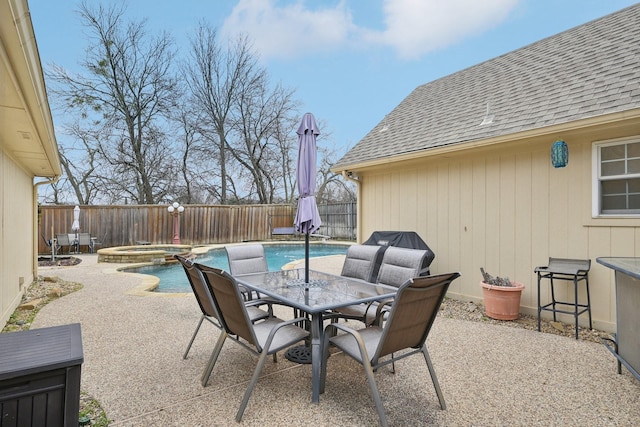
[156,254]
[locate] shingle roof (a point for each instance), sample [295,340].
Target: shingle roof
[587,71]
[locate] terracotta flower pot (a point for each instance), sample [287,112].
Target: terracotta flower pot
[502,302]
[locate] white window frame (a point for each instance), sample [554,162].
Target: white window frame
[596,205]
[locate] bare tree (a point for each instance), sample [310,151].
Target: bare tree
[332,186]
[247,119]
[127,89]
[212,75]
[259,146]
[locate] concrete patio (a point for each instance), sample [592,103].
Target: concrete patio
[490,375]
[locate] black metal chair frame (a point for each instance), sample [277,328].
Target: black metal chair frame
[573,270]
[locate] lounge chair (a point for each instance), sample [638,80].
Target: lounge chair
[407,327]
[398,265]
[262,338]
[205,300]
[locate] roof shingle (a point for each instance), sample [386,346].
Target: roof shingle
[587,71]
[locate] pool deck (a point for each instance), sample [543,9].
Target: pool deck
[490,374]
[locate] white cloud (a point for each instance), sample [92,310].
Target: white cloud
[416,27]
[291,30]
[412,28]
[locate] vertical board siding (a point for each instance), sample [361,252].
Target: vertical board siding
[17,234]
[507,211]
[199,224]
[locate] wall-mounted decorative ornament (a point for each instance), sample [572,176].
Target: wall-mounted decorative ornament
[559,154]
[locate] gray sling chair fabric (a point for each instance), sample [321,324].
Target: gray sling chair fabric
[261,338]
[84,239]
[63,240]
[205,300]
[249,259]
[410,319]
[398,265]
[246,259]
[362,262]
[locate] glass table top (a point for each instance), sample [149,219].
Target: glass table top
[323,292]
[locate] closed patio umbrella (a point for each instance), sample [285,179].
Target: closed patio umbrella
[307,216]
[76,222]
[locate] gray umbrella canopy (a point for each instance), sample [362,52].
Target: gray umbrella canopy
[307,216]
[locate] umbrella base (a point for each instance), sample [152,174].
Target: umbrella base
[300,354]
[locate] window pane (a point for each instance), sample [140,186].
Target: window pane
[634,201]
[618,186]
[613,168]
[633,166]
[613,202]
[633,150]
[612,152]
[634,185]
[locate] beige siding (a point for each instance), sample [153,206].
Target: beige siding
[504,209]
[16,246]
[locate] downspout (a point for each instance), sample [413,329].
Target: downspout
[50,181]
[350,176]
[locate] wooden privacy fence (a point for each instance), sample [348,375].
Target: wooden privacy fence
[124,225]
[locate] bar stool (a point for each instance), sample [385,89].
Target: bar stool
[574,270]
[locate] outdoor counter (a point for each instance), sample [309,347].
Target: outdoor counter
[626,341]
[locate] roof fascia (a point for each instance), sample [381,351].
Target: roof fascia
[572,126]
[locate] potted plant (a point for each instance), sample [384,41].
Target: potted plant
[501,296]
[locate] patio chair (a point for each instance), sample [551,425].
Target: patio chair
[398,265]
[262,338]
[205,300]
[84,239]
[246,259]
[100,242]
[407,327]
[362,262]
[63,240]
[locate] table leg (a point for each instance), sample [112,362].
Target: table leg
[316,354]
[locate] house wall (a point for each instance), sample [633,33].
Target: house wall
[508,210]
[16,234]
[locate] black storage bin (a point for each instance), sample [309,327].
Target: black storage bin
[40,377]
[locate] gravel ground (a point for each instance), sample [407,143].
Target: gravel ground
[48,288]
[470,311]
[529,377]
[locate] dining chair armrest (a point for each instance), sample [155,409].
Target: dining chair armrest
[292,322]
[342,327]
[380,310]
[255,302]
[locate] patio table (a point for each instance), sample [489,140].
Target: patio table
[323,293]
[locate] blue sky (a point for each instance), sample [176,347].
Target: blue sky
[350,61]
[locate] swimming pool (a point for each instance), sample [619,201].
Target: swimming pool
[173,279]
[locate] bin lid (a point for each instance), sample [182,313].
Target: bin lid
[38,350]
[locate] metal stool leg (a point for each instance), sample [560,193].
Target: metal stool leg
[539,309]
[586,281]
[553,298]
[575,287]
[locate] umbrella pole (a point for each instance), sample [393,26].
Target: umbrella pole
[306,258]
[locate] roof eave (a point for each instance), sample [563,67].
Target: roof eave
[566,127]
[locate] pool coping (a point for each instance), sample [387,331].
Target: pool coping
[150,282]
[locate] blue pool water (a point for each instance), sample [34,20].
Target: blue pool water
[173,279]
